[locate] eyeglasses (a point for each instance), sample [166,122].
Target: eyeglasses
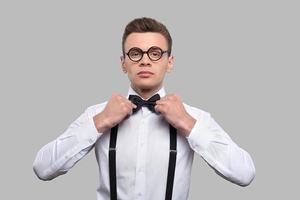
[154,53]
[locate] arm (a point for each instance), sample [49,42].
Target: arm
[58,156]
[208,139]
[214,145]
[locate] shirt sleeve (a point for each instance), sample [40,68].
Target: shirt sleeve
[58,156]
[215,146]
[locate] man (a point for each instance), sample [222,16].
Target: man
[144,143]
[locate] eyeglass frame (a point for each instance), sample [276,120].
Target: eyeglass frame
[147,52]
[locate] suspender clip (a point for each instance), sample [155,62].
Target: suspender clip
[112,149]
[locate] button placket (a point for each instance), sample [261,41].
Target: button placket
[141,159]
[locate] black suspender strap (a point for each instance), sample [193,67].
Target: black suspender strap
[172,162]
[112,162]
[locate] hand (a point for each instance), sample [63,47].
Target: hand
[116,110]
[171,107]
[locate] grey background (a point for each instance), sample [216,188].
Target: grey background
[237,60]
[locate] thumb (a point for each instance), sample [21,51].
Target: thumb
[157,108]
[133,105]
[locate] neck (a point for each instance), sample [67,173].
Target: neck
[146,93]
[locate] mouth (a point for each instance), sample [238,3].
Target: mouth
[145,74]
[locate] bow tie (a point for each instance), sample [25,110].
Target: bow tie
[139,102]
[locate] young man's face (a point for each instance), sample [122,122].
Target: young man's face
[154,70]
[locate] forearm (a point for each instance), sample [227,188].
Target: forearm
[213,144]
[58,156]
[231,162]
[52,160]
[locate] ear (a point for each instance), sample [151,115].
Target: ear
[170,63]
[123,64]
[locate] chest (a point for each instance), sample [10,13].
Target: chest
[141,140]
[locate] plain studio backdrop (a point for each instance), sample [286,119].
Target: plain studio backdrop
[238,60]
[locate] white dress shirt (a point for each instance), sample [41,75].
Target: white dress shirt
[142,153]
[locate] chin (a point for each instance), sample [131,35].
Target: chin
[145,86]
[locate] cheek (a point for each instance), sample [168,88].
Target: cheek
[130,68]
[162,70]
[131,72]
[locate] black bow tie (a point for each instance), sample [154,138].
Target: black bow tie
[139,102]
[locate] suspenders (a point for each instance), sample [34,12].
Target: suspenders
[172,162]
[112,162]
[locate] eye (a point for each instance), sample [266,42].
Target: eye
[155,53]
[134,53]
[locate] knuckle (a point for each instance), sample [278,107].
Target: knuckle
[175,97]
[171,97]
[123,104]
[119,97]
[124,109]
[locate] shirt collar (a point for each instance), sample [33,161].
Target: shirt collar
[161,92]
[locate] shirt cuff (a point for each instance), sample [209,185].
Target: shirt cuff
[200,137]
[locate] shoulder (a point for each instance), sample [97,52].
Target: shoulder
[197,113]
[92,110]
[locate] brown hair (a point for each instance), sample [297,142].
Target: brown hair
[145,24]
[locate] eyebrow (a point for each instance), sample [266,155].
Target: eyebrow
[147,49]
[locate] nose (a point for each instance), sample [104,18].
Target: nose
[145,61]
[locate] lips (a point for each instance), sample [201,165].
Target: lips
[145,73]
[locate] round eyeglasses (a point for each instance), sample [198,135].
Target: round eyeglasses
[154,53]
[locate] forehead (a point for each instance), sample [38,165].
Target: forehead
[145,41]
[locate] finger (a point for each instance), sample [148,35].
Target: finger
[118,96]
[129,107]
[130,112]
[125,102]
[161,102]
[126,107]
[132,105]
[158,108]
